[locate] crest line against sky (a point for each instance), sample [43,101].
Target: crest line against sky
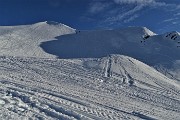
[158,15]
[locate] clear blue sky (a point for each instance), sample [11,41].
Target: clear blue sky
[158,15]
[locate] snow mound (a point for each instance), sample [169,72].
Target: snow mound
[127,70]
[24,40]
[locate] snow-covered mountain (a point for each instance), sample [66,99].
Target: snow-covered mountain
[159,51]
[24,40]
[101,74]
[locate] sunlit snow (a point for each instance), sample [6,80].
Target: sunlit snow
[51,71]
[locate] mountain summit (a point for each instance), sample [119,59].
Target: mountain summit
[24,40]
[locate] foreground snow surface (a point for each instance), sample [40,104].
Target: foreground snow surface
[114,87]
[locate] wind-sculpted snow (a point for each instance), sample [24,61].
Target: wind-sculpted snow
[114,87]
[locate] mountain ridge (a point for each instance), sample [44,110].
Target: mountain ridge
[51,39]
[24,40]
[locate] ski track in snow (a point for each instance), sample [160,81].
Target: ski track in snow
[63,89]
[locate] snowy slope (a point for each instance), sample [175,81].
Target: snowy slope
[167,47]
[110,88]
[94,79]
[159,51]
[49,40]
[131,71]
[24,40]
[96,44]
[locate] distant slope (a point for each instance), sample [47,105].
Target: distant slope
[160,51]
[137,42]
[24,40]
[127,70]
[51,40]
[96,44]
